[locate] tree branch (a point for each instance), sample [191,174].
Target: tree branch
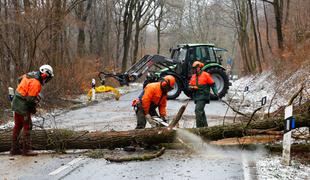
[267,1]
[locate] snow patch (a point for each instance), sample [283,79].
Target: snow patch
[267,84]
[271,168]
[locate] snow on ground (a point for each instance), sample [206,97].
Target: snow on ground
[279,91]
[248,91]
[270,168]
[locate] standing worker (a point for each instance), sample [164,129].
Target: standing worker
[24,104]
[200,83]
[154,95]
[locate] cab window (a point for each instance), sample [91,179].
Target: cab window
[212,55]
[203,54]
[180,55]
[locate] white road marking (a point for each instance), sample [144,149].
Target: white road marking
[246,168]
[249,169]
[71,163]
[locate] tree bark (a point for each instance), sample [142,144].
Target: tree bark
[82,15]
[278,11]
[257,61]
[61,139]
[127,25]
[267,28]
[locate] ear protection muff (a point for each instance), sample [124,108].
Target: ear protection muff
[43,75]
[164,83]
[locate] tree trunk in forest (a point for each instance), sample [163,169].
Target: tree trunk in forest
[82,15]
[256,62]
[143,14]
[278,11]
[267,28]
[158,24]
[136,43]
[127,25]
[258,31]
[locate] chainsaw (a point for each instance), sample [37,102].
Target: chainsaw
[160,121]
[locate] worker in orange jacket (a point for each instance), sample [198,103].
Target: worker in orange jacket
[153,96]
[200,83]
[24,104]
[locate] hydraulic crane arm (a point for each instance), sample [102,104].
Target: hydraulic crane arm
[138,69]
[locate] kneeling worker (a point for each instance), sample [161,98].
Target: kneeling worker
[154,95]
[200,83]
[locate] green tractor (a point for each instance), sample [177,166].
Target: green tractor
[186,54]
[178,65]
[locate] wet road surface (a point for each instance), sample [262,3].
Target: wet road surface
[118,115]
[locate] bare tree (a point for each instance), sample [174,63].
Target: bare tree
[82,14]
[257,61]
[144,11]
[278,13]
[158,22]
[128,21]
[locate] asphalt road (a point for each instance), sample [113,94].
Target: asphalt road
[207,163]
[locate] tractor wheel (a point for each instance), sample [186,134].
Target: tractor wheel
[221,81]
[176,91]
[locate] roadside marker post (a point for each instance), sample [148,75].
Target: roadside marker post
[263,102]
[93,86]
[289,123]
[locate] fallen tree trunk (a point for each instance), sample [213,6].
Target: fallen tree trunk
[61,139]
[240,130]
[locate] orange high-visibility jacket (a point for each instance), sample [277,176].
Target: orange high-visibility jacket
[29,86]
[154,94]
[202,86]
[26,93]
[203,79]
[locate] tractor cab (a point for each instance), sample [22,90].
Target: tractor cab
[186,54]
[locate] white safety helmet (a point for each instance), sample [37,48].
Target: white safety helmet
[48,70]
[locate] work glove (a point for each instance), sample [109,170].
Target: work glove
[149,119]
[148,116]
[193,87]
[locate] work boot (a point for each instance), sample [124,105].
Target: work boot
[27,147]
[15,149]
